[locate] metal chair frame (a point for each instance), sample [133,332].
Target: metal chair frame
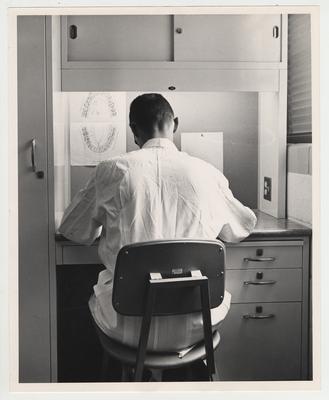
[155,283]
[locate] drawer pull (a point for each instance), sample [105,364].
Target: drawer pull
[258,316]
[259,259]
[259,282]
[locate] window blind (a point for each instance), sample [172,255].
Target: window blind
[299,78]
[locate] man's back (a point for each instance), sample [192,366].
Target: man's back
[163,193]
[169,191]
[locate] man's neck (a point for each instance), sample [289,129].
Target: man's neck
[160,135]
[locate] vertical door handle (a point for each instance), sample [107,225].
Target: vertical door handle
[39,174]
[276,31]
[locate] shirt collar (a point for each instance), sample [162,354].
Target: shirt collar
[160,142]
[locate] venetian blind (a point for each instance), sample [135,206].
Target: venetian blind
[299,78]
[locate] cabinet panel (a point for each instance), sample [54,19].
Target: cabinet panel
[264,285]
[260,349]
[237,38]
[264,255]
[79,351]
[198,79]
[81,255]
[34,321]
[118,38]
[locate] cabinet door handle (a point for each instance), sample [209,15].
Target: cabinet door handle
[259,259]
[259,282]
[73,31]
[39,174]
[258,316]
[276,31]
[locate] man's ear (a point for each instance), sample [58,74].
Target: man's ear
[134,129]
[175,124]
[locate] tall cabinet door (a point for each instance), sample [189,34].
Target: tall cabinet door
[34,320]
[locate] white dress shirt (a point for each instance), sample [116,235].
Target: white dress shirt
[153,193]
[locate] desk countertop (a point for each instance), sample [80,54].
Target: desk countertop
[267,226]
[270,226]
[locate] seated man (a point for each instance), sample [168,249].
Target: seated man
[156,192]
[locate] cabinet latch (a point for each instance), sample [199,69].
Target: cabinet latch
[73,31]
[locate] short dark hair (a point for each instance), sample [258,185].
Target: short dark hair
[150,111]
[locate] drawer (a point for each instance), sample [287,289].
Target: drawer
[265,255]
[264,285]
[81,255]
[267,348]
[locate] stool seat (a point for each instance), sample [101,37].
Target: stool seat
[155,360]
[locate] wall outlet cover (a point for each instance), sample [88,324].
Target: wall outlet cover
[267,188]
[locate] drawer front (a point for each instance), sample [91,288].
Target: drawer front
[264,255]
[264,285]
[260,349]
[81,255]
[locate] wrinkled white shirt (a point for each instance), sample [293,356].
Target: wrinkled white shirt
[153,193]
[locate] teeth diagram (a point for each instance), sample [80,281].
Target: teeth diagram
[97,126]
[98,104]
[98,144]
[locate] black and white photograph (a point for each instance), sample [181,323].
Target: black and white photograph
[163,191]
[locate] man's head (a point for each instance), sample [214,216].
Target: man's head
[151,116]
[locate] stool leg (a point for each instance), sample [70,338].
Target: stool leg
[210,374]
[216,374]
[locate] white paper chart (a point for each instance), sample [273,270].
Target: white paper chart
[205,145]
[97,127]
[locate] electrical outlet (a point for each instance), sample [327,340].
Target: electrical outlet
[267,188]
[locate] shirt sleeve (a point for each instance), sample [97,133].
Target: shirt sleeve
[239,219]
[82,220]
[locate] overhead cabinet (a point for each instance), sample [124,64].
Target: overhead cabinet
[173,52]
[171,38]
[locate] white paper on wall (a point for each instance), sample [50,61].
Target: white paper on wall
[97,127]
[205,145]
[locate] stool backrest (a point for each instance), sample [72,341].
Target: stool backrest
[172,259]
